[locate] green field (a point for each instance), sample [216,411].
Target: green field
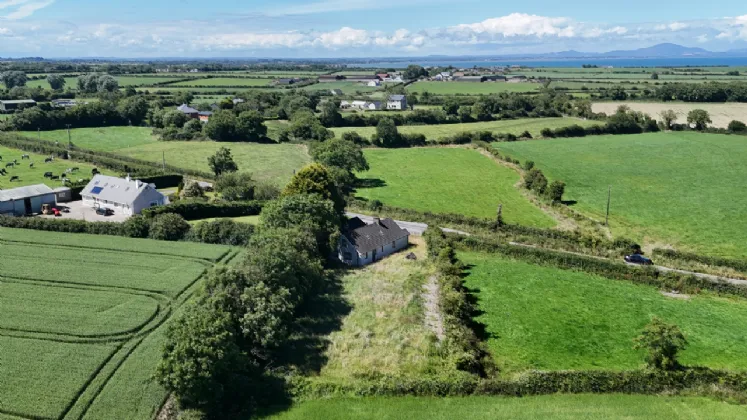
[551,407]
[551,319]
[448,180]
[83,317]
[225,81]
[516,127]
[31,176]
[681,189]
[471,88]
[275,162]
[348,88]
[107,139]
[71,82]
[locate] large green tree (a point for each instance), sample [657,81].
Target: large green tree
[700,118]
[13,79]
[315,178]
[134,109]
[250,126]
[56,81]
[222,162]
[387,134]
[221,126]
[309,212]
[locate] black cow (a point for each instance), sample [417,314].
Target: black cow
[10,165]
[31,165]
[55,177]
[48,174]
[49,159]
[76,169]
[14,178]
[25,157]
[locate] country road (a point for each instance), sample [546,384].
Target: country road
[416,228]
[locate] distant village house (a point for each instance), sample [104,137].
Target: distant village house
[363,244]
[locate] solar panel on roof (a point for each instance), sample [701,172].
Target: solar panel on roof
[96,190]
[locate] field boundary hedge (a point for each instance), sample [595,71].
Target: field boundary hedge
[738,265]
[196,210]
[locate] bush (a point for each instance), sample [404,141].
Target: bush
[662,342]
[221,231]
[555,191]
[528,165]
[737,126]
[196,210]
[547,133]
[136,227]
[168,227]
[235,186]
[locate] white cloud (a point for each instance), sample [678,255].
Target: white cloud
[702,38]
[519,24]
[344,37]
[25,8]
[674,26]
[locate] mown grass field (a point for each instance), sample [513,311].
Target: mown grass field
[271,162]
[226,81]
[516,127]
[107,139]
[347,88]
[83,320]
[448,180]
[31,176]
[551,407]
[681,189]
[471,88]
[551,319]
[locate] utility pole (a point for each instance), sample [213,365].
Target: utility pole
[609,196]
[69,139]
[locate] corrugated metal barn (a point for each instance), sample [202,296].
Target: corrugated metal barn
[26,200]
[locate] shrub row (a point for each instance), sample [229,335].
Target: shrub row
[530,383]
[739,265]
[471,355]
[598,266]
[196,210]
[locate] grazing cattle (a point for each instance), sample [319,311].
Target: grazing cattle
[31,165]
[15,161]
[3,172]
[25,157]
[55,177]
[14,178]
[76,169]
[1,158]
[48,174]
[10,165]
[94,171]
[49,159]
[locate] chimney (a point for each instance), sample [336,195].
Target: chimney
[127,178]
[376,221]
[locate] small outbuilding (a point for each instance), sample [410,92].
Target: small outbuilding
[363,244]
[12,105]
[26,200]
[123,195]
[63,194]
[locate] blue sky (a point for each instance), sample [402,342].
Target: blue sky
[357,28]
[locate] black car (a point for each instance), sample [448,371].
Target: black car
[638,259]
[104,211]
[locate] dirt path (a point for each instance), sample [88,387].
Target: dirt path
[433,319]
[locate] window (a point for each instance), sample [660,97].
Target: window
[394,244]
[153,203]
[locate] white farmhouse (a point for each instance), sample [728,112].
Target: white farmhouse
[396,102]
[364,244]
[123,195]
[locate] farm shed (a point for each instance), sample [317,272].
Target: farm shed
[63,194]
[26,200]
[15,104]
[474,79]
[124,195]
[188,111]
[364,244]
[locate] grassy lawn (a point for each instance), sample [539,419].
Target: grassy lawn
[448,180]
[683,189]
[551,407]
[31,176]
[470,88]
[252,220]
[106,139]
[547,318]
[433,132]
[274,162]
[225,81]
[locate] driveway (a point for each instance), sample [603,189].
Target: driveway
[79,211]
[414,228]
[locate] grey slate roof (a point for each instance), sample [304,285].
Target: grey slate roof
[396,97]
[117,190]
[369,237]
[187,109]
[25,192]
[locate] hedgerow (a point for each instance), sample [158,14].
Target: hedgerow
[739,265]
[196,210]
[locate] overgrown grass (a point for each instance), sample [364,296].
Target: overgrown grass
[516,127]
[107,139]
[678,188]
[549,319]
[555,407]
[31,176]
[448,180]
[267,162]
[252,220]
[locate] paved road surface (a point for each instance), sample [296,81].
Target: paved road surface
[418,229]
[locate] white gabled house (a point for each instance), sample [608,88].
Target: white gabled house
[363,244]
[123,195]
[398,102]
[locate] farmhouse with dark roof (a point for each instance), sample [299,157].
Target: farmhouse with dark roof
[363,244]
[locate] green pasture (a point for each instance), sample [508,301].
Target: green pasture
[225,81]
[70,82]
[471,88]
[170,89]
[269,162]
[106,139]
[517,127]
[551,319]
[551,407]
[448,180]
[31,176]
[679,188]
[347,88]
